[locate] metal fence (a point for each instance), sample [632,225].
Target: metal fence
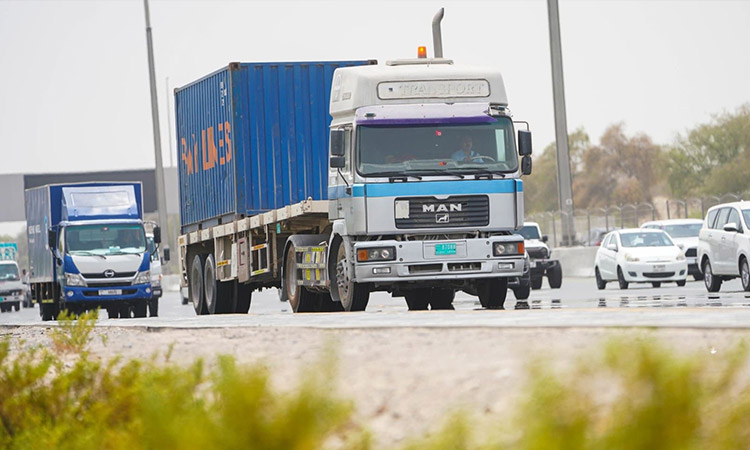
[593,223]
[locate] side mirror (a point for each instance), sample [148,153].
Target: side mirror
[157,235]
[337,142]
[51,239]
[612,247]
[524,142]
[545,238]
[166,254]
[338,162]
[526,165]
[731,226]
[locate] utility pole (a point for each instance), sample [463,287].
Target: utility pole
[161,197]
[564,182]
[170,149]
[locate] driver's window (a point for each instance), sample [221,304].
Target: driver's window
[734,217]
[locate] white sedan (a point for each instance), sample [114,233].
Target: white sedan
[639,256]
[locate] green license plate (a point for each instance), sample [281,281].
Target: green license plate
[445,249]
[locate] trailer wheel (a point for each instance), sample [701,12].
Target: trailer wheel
[492,293]
[417,299]
[195,285]
[354,296]
[555,276]
[442,298]
[215,292]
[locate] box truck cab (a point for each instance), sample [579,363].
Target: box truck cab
[94,251]
[12,291]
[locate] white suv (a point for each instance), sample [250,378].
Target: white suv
[724,245]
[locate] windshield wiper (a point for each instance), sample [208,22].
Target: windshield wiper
[85,253]
[477,172]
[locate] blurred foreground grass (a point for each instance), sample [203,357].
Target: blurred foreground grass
[633,394]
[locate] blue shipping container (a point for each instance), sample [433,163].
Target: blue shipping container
[253,137]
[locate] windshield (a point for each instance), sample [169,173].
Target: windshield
[8,272]
[109,239]
[683,231]
[435,149]
[529,232]
[645,240]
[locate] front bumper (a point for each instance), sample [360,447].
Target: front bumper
[417,261]
[640,272]
[98,294]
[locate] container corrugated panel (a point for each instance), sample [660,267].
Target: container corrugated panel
[253,137]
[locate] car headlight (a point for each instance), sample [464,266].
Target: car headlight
[74,279]
[681,257]
[631,258]
[507,248]
[143,277]
[376,254]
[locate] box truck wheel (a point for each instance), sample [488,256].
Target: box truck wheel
[140,309]
[153,307]
[417,299]
[195,285]
[353,296]
[442,298]
[492,292]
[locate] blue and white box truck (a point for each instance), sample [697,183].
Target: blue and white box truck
[334,179]
[88,249]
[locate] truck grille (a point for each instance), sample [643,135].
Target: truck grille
[456,211]
[90,276]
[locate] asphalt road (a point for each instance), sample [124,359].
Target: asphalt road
[577,304]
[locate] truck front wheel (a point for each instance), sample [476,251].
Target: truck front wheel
[353,296]
[492,293]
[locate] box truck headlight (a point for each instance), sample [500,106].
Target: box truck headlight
[143,277]
[507,248]
[74,279]
[376,254]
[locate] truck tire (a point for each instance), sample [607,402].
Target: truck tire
[195,285]
[140,309]
[153,307]
[353,296]
[48,311]
[492,293]
[442,298]
[417,299]
[126,311]
[242,295]
[536,283]
[300,299]
[326,304]
[112,312]
[215,292]
[555,276]
[712,282]
[17,306]
[522,293]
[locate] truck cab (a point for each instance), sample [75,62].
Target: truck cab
[424,182]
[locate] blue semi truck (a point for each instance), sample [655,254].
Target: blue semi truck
[88,249]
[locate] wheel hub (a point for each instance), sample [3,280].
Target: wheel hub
[745,274]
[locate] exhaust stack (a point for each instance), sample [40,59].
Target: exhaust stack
[437,38]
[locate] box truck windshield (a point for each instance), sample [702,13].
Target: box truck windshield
[8,272]
[429,149]
[109,239]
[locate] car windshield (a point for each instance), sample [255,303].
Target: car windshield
[645,239]
[8,272]
[109,239]
[437,149]
[529,232]
[683,230]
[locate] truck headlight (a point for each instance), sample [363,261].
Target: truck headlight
[376,254]
[143,277]
[507,248]
[74,279]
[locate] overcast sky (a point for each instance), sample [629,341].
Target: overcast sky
[74,91]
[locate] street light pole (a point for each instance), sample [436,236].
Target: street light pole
[161,197]
[564,178]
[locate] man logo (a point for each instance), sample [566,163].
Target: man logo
[109,273]
[450,207]
[442,218]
